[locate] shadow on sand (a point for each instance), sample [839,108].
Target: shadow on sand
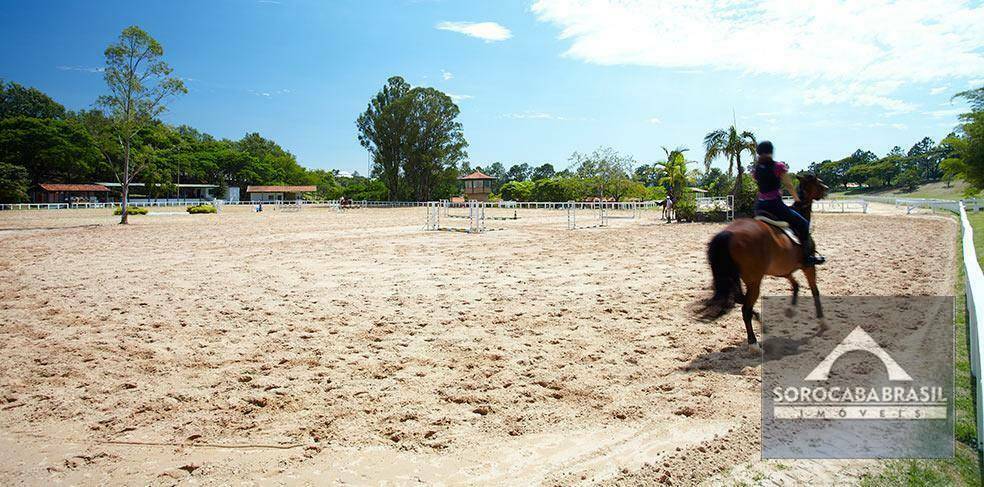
[736,359]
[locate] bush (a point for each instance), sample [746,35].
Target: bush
[559,189]
[745,202]
[131,210]
[685,209]
[517,190]
[195,210]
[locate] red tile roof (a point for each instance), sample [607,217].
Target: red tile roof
[281,189]
[73,187]
[477,175]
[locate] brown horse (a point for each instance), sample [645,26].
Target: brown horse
[751,249]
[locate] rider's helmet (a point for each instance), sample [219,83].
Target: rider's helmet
[764,148]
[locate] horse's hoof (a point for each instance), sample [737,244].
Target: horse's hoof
[755,348]
[823,327]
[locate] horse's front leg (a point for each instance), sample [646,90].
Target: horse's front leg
[811,279]
[751,296]
[796,287]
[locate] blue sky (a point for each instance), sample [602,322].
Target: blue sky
[549,77]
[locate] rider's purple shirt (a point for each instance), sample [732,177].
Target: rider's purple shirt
[781,168]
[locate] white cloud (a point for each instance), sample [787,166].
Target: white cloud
[975,83]
[829,45]
[81,68]
[860,94]
[530,115]
[655,121]
[446,75]
[536,115]
[458,98]
[269,94]
[487,31]
[938,89]
[948,113]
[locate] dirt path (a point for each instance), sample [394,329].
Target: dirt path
[358,348]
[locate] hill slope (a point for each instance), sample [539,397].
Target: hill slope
[936,190]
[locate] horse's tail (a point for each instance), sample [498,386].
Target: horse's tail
[726,278]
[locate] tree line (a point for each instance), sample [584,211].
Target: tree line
[121,139]
[41,142]
[905,169]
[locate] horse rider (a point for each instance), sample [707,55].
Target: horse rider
[771,176]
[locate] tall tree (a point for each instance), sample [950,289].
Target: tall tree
[436,142]
[383,129]
[731,144]
[414,138]
[140,83]
[519,172]
[966,147]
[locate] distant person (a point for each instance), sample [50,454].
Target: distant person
[771,177]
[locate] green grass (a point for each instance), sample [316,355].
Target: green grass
[937,190]
[965,467]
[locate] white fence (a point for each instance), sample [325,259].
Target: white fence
[111,204]
[840,206]
[912,204]
[975,315]
[717,203]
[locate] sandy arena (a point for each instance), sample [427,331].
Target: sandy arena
[318,347]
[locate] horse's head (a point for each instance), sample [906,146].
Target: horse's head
[811,186]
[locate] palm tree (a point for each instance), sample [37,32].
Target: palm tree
[729,143]
[675,169]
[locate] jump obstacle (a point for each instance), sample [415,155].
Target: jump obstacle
[448,206]
[580,215]
[476,217]
[599,212]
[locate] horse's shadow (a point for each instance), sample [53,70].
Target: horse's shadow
[737,360]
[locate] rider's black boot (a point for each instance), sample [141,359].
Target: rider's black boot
[810,258]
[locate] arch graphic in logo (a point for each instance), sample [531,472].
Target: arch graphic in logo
[859,340]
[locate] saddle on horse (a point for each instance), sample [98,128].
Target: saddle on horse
[779,225]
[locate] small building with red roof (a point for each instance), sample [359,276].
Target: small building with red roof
[70,193]
[477,186]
